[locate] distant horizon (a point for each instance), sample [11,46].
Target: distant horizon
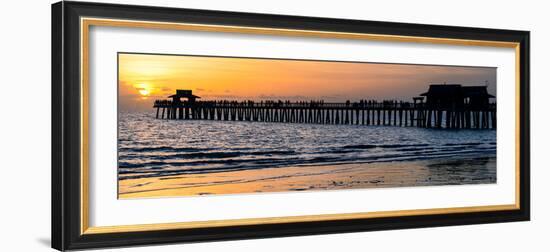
[144,78]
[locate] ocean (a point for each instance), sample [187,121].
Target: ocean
[149,147]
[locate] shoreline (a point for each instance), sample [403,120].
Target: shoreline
[439,171]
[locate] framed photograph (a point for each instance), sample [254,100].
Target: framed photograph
[180,125]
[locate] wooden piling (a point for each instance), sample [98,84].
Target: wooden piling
[388,113]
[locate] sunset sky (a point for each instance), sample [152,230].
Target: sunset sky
[145,78]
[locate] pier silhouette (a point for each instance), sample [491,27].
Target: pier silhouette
[446,106]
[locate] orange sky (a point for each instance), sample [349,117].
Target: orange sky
[145,78]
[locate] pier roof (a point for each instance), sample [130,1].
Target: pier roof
[443,90]
[181,93]
[457,89]
[470,91]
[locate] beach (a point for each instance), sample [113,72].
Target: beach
[442,171]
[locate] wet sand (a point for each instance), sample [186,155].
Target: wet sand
[445,171]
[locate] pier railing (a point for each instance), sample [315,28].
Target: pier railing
[363,112]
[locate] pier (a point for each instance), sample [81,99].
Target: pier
[446,106]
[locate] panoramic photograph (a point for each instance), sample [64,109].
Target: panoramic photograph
[191,125]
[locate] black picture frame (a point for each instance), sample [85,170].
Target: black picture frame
[66,141]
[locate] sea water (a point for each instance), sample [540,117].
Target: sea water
[150,147]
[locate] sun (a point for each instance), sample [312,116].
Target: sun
[143,89]
[144,92]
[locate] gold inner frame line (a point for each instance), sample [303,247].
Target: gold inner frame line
[86,23]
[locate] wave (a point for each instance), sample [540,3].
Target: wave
[465,144]
[162,149]
[206,155]
[384,146]
[219,163]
